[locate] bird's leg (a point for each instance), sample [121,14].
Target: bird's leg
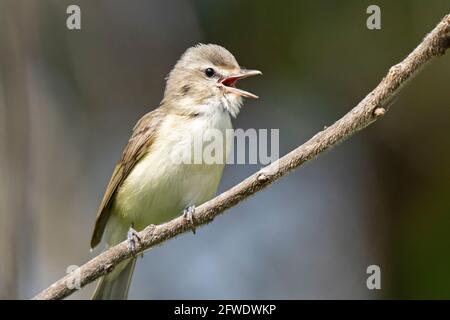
[188,215]
[132,238]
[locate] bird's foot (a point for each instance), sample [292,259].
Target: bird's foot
[132,238]
[188,215]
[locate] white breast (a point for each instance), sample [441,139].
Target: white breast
[158,189]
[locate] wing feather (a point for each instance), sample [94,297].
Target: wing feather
[144,133]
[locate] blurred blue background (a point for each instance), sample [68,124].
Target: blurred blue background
[68,101]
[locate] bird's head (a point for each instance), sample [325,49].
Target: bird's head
[204,81]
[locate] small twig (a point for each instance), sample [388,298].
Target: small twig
[371,108]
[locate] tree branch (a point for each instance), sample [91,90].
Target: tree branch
[370,109]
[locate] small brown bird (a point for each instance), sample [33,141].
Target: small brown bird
[147,185]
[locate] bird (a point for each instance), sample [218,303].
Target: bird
[147,186]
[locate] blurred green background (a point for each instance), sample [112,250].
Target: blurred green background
[68,101]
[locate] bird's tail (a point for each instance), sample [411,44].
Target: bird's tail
[115,285]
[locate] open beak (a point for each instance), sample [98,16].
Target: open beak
[229,83]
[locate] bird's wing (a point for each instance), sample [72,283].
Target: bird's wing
[144,133]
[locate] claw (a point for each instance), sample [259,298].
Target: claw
[188,215]
[132,238]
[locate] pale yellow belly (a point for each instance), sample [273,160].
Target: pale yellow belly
[157,190]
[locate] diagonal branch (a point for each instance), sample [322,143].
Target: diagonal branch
[370,109]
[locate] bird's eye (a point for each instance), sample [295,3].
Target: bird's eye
[210,72]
